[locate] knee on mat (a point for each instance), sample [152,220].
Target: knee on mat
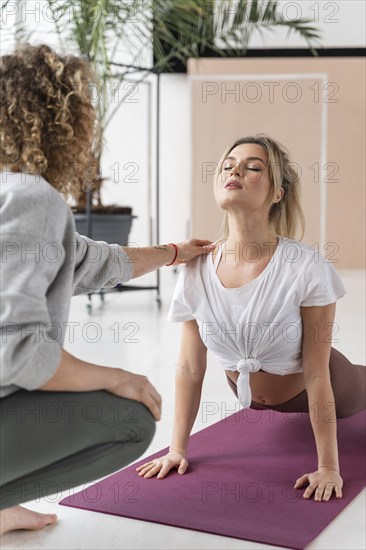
[349,411]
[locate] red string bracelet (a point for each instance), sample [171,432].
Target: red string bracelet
[176,254]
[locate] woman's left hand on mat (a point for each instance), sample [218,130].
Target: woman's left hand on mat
[324,481]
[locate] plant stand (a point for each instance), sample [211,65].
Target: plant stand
[121,287]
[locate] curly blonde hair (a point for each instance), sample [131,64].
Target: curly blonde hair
[286,216]
[48,124]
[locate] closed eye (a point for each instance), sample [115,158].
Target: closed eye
[253,169]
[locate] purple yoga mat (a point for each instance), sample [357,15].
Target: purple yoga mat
[240,481]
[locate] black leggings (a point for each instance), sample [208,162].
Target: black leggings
[348,384]
[53,441]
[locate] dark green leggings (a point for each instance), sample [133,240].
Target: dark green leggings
[53,441]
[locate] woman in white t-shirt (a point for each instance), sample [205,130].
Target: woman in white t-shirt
[264,304]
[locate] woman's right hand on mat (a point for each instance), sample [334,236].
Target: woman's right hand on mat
[139,388]
[163,465]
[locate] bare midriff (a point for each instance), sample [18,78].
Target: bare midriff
[272,389]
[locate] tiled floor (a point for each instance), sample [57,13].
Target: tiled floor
[148,344]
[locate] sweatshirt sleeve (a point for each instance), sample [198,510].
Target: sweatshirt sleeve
[30,351]
[99,264]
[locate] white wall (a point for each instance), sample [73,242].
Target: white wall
[342,25]
[127,143]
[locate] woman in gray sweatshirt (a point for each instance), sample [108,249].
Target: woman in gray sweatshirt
[48,125]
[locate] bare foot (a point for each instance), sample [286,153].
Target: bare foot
[18,517]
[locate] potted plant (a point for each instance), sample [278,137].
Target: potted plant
[176,30]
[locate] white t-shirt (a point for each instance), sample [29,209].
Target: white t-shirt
[258,325]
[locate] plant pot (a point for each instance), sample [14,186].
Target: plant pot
[109,227]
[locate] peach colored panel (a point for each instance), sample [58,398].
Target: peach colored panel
[256,105]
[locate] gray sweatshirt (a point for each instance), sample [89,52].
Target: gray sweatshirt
[43,263]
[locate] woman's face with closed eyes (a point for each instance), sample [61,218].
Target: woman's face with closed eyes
[244,181]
